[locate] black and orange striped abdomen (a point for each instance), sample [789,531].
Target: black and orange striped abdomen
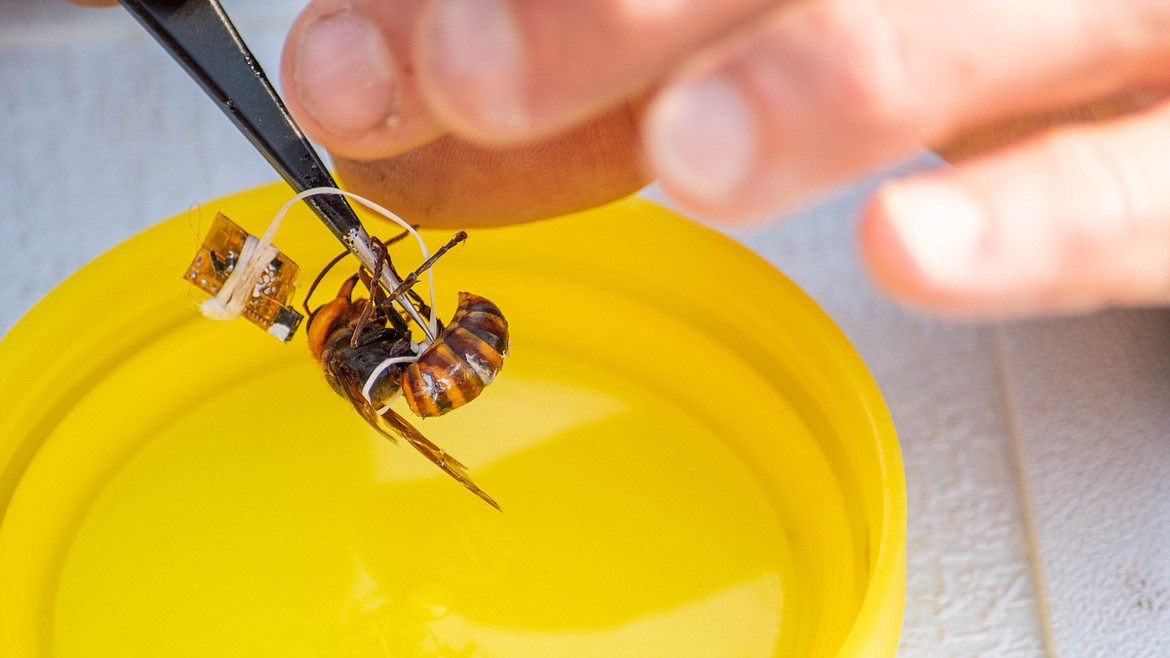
[463,360]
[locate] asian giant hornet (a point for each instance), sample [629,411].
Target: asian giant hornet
[369,356]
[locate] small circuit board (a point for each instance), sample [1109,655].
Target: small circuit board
[258,286]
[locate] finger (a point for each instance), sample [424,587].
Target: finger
[821,91]
[1072,220]
[507,70]
[349,79]
[451,183]
[1004,131]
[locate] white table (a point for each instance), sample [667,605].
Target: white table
[1037,453]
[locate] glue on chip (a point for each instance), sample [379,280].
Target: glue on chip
[247,277]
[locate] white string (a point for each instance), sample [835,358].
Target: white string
[254,259]
[377,372]
[256,254]
[432,321]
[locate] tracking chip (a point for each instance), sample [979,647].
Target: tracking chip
[245,277]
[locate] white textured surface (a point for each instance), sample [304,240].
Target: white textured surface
[1037,454]
[1091,405]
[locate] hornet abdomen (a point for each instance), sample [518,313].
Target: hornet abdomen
[463,359]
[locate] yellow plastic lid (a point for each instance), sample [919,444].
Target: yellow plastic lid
[691,459]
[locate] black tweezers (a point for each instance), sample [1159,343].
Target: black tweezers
[201,37]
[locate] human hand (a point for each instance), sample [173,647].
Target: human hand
[741,107]
[489,111]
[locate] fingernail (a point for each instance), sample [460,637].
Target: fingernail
[474,51]
[702,137]
[345,74]
[943,230]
